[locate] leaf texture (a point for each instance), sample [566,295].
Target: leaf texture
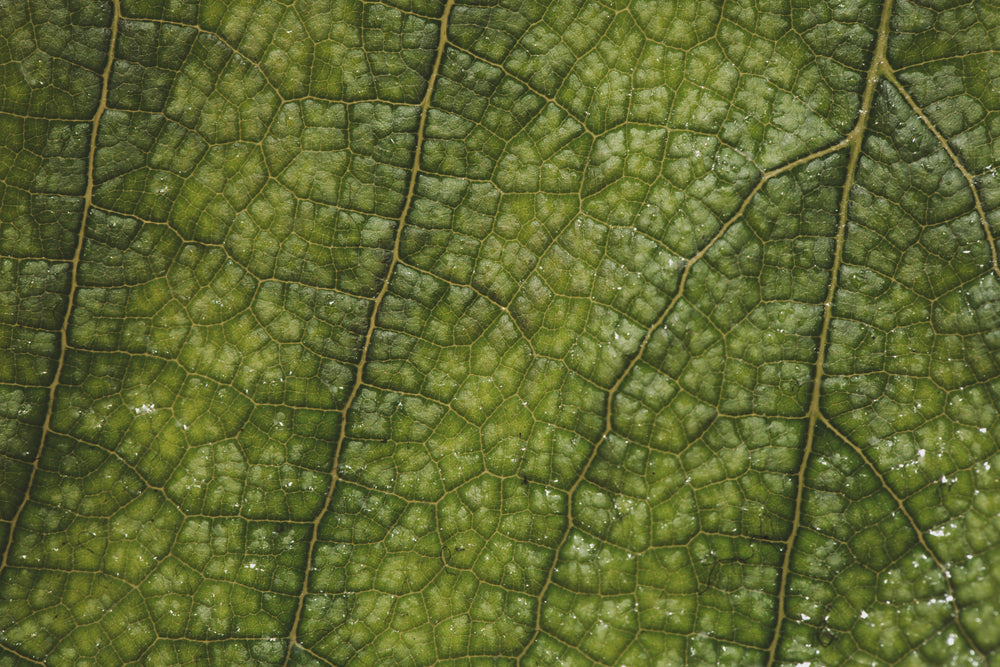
[496,332]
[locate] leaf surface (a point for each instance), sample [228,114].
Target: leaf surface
[443,332]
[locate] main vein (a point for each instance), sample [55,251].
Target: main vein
[425,105]
[88,203]
[855,140]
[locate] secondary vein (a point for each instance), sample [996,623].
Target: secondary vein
[425,105]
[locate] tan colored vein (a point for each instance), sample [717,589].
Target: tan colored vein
[88,204]
[855,140]
[20,656]
[616,387]
[425,105]
[916,529]
[890,76]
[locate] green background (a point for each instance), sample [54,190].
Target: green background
[502,331]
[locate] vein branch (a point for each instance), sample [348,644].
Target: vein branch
[913,525]
[20,656]
[890,76]
[425,105]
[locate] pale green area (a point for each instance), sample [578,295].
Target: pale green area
[624,332]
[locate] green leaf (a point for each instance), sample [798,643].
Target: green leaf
[411,332]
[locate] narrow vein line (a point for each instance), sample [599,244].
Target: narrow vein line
[613,391]
[505,311]
[855,140]
[20,656]
[551,100]
[916,529]
[425,105]
[890,76]
[88,204]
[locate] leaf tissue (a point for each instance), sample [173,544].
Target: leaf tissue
[499,332]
